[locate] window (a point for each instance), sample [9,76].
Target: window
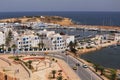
[58,38]
[23,42]
[24,39]
[36,38]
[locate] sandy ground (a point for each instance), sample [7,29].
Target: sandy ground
[12,70]
[43,69]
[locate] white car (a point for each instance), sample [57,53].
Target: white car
[85,66]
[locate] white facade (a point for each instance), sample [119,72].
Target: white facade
[2,38]
[50,39]
[27,41]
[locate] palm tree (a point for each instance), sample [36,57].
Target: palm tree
[14,47]
[60,78]
[7,41]
[40,43]
[96,66]
[25,47]
[71,45]
[53,72]
[8,38]
[102,69]
[113,76]
[29,64]
[75,44]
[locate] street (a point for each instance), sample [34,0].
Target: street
[83,73]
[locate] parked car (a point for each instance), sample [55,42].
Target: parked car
[85,66]
[1,51]
[77,64]
[74,68]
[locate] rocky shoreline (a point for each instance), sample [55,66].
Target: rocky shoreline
[47,19]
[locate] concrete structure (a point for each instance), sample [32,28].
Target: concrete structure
[49,39]
[2,38]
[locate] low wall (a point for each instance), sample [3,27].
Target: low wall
[7,61]
[28,71]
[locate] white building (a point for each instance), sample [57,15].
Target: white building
[26,42]
[2,38]
[50,39]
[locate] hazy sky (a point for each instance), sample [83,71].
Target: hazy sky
[59,5]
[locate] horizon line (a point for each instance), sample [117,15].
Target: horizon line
[58,11]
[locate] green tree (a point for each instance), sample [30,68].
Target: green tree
[10,34]
[41,37]
[40,45]
[75,44]
[7,41]
[29,64]
[96,66]
[3,45]
[60,77]
[71,45]
[8,38]
[25,47]
[102,69]
[14,47]
[53,72]
[113,75]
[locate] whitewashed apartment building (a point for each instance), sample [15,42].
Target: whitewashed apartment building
[50,39]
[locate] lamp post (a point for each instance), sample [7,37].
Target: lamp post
[91,76]
[67,57]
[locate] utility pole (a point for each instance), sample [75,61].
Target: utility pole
[91,76]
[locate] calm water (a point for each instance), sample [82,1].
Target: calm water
[107,57]
[82,33]
[87,18]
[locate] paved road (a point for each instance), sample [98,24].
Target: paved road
[83,73]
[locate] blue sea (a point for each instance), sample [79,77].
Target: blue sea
[108,57]
[83,18]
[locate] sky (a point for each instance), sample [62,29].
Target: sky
[59,5]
